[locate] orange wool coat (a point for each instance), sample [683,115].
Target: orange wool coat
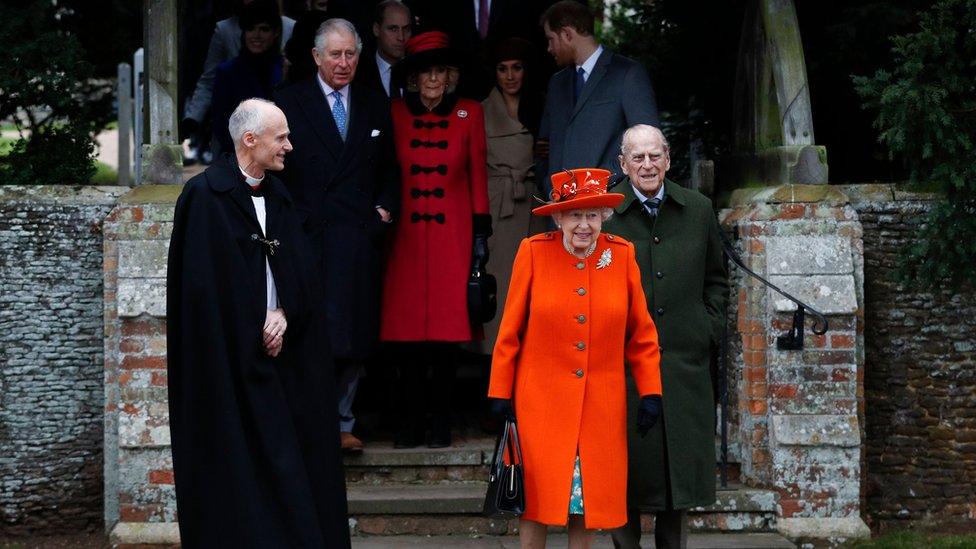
[569,326]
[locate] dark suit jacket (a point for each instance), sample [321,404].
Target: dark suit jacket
[337,186]
[368,73]
[617,95]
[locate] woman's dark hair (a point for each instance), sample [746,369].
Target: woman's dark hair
[530,97]
[260,11]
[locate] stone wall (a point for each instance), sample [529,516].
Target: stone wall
[138,465]
[799,411]
[920,378]
[51,357]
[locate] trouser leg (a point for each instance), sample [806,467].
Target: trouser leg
[443,374]
[410,395]
[348,374]
[671,529]
[628,536]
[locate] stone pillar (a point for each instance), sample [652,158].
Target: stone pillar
[140,500]
[799,411]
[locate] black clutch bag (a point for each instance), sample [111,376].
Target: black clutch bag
[506,484]
[482,296]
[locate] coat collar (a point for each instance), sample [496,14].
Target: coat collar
[444,108]
[224,175]
[672,191]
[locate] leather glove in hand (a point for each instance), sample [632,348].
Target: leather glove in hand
[648,411]
[502,408]
[479,253]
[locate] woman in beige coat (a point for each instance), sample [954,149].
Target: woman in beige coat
[512,113]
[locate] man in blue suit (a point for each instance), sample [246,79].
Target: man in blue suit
[595,97]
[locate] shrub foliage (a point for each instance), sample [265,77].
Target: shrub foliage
[926,116]
[47,91]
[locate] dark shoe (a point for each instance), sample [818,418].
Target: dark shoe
[408,437]
[440,435]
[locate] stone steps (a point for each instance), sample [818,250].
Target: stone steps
[455,508]
[559,541]
[436,492]
[468,460]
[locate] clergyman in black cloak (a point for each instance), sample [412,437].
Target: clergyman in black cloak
[251,387]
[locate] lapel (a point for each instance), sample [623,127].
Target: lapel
[316,108]
[358,123]
[599,70]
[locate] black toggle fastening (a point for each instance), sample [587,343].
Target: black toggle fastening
[417,217]
[270,245]
[418,123]
[436,192]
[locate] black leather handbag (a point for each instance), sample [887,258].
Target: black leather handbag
[506,484]
[482,296]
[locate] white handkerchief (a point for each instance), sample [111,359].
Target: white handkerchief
[374,133]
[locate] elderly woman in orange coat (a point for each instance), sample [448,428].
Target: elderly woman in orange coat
[575,314]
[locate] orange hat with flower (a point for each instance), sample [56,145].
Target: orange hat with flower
[579,188]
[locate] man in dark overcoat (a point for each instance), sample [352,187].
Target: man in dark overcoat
[251,389]
[344,178]
[679,252]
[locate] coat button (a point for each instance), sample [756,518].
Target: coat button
[581,291]
[581,319]
[660,311]
[660,274]
[579,373]
[580,265]
[657,240]
[580,346]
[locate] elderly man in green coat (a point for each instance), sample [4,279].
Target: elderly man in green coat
[679,252]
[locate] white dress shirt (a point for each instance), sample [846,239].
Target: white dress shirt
[386,71]
[343,93]
[640,196]
[590,62]
[477,11]
[262,214]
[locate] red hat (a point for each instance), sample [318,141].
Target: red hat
[425,50]
[580,188]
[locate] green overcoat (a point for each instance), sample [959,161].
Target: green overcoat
[684,278]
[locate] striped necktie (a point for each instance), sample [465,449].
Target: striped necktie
[652,205]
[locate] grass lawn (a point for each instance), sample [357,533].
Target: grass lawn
[916,540]
[104,174]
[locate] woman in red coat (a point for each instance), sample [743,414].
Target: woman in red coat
[575,314]
[443,227]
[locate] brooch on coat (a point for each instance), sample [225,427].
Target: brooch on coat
[605,259]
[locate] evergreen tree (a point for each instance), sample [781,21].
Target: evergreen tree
[46,89]
[926,116]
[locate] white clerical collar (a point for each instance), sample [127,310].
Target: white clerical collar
[590,62]
[327,89]
[252,181]
[640,196]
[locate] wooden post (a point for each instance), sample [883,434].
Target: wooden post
[125,123]
[162,157]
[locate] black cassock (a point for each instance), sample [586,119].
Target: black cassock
[255,439]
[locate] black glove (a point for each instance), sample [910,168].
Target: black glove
[479,251]
[188,127]
[648,411]
[501,408]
